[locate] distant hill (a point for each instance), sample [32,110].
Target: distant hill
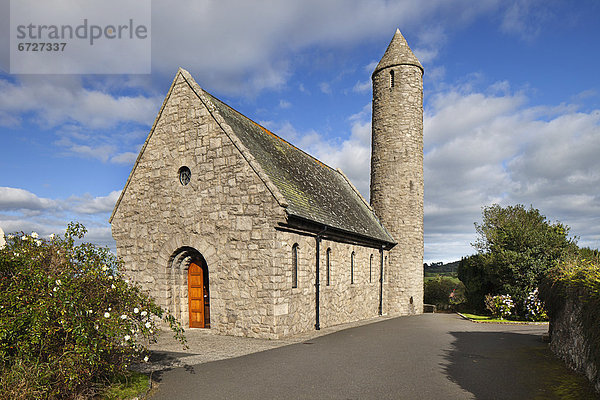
[441,268]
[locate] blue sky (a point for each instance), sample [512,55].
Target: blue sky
[512,106]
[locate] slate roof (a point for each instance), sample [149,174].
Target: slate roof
[313,190]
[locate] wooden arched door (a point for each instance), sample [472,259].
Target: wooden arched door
[196,296]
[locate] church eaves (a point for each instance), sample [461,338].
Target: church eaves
[398,53]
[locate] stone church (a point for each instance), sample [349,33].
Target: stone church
[232,228]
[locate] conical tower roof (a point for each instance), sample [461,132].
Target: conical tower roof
[398,53]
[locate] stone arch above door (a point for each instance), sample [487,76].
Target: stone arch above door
[174,259]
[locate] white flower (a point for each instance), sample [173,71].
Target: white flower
[126,280]
[90,311]
[148,324]
[34,235]
[106,315]
[10,236]
[127,337]
[143,314]
[123,316]
[51,237]
[109,309]
[55,289]
[105,268]
[136,310]
[38,242]
[24,237]
[58,282]
[146,359]
[113,286]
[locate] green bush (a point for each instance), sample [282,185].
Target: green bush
[516,247]
[444,292]
[69,321]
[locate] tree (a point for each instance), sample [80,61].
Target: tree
[444,292]
[69,322]
[516,247]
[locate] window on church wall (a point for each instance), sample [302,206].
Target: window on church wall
[185,175]
[327,266]
[384,267]
[352,268]
[295,265]
[371,268]
[392,83]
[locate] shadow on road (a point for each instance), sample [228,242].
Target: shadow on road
[505,365]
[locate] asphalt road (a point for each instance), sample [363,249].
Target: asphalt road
[431,356]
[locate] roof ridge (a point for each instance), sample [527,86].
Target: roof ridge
[339,170]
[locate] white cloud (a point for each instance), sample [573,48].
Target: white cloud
[21,210]
[59,100]
[94,205]
[361,87]
[525,18]
[501,151]
[284,104]
[325,87]
[127,157]
[251,49]
[20,199]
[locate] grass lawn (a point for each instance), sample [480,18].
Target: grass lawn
[429,277]
[487,318]
[131,386]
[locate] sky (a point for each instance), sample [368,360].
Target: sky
[511,106]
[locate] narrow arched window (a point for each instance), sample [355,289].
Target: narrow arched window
[371,269]
[392,83]
[352,268]
[327,266]
[295,265]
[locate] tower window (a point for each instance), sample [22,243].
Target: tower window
[352,268]
[327,265]
[295,265]
[392,83]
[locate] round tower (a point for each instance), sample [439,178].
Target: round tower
[397,172]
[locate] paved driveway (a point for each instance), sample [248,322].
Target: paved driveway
[431,356]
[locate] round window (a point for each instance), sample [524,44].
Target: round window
[184,175]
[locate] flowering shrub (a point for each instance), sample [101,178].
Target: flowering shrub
[534,307]
[500,306]
[69,321]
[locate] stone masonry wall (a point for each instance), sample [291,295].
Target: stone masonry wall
[226,213]
[569,342]
[397,180]
[341,301]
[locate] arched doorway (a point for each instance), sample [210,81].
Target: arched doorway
[189,288]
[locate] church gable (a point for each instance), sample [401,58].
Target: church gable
[187,136]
